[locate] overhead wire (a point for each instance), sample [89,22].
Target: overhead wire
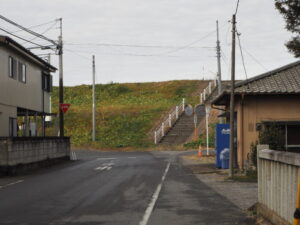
[237,7]
[242,55]
[27,30]
[20,37]
[38,25]
[134,46]
[45,31]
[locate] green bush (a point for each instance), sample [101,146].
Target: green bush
[273,136]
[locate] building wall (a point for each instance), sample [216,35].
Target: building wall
[5,113]
[255,109]
[27,95]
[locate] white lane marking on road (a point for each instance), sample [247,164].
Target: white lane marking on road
[10,184]
[103,168]
[105,158]
[154,198]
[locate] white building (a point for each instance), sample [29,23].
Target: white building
[25,88]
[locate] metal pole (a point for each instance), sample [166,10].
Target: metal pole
[201,99]
[219,77]
[206,121]
[219,61]
[61,84]
[155,140]
[94,105]
[231,158]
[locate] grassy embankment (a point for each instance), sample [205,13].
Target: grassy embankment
[125,112]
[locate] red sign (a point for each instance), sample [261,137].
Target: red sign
[64,107]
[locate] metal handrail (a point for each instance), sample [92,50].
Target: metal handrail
[168,122]
[207,91]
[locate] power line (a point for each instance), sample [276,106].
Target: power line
[45,31]
[82,56]
[254,59]
[20,37]
[27,30]
[135,46]
[38,25]
[188,45]
[237,7]
[242,56]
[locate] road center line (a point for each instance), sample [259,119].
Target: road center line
[154,198]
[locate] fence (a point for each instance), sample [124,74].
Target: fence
[277,184]
[207,91]
[168,122]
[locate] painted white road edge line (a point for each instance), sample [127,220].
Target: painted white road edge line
[10,184]
[154,198]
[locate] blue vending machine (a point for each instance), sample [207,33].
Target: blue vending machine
[222,141]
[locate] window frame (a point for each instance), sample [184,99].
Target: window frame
[46,82]
[22,72]
[12,67]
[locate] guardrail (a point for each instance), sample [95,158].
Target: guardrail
[169,121]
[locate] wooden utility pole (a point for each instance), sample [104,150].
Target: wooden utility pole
[94,106]
[61,83]
[232,150]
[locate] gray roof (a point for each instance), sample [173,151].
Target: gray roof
[283,80]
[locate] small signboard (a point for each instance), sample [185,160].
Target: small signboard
[188,110]
[200,110]
[64,107]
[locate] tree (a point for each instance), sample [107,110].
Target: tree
[290,9]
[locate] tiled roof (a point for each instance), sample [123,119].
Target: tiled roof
[284,80]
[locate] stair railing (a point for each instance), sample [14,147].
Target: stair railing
[169,121]
[207,91]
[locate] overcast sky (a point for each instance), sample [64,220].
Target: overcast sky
[164,27]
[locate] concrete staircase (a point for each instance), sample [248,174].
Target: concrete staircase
[181,131]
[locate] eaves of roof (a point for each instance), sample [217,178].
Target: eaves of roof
[10,43]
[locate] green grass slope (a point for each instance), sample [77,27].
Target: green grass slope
[125,112]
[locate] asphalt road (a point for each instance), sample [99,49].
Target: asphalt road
[133,188]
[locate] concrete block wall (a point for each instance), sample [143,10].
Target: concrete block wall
[278,173]
[15,151]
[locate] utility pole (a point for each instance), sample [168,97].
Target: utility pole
[94,106]
[219,76]
[61,83]
[232,153]
[219,61]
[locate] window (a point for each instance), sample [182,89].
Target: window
[46,82]
[290,133]
[22,72]
[13,66]
[13,127]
